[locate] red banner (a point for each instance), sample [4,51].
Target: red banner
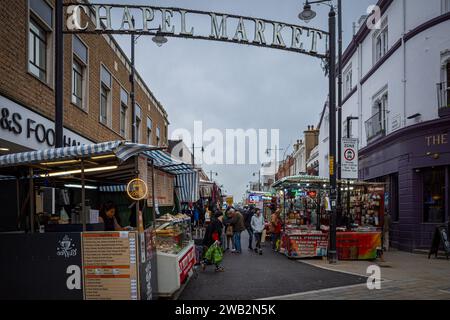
[186,263]
[358,245]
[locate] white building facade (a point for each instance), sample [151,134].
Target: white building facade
[396,82]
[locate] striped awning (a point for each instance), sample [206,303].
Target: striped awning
[187,187]
[164,161]
[121,149]
[304,179]
[120,188]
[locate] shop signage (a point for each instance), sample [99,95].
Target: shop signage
[437,140]
[26,128]
[117,19]
[349,167]
[358,245]
[137,189]
[186,263]
[164,189]
[307,246]
[110,266]
[41,266]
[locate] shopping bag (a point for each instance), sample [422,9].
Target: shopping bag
[209,253]
[263,236]
[217,255]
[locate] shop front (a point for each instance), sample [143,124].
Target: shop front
[414,163]
[64,246]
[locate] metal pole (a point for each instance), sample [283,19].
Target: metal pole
[132,93]
[59,74]
[83,197]
[339,90]
[348,182]
[136,169]
[153,193]
[31,201]
[193,155]
[332,254]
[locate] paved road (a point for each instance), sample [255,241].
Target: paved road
[251,276]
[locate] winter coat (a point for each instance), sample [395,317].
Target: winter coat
[257,223]
[238,222]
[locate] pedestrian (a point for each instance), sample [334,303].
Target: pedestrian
[248,214]
[228,231]
[212,238]
[275,228]
[386,229]
[258,225]
[237,221]
[196,216]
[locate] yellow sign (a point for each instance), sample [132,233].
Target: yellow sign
[137,189]
[230,201]
[332,166]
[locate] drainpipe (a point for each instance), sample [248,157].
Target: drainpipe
[404,63]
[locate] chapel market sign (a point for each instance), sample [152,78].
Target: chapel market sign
[174,22]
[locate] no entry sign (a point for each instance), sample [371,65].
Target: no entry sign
[349,168]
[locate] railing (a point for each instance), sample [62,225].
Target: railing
[443,91]
[375,126]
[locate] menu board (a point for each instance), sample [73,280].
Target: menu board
[110,266]
[307,245]
[164,188]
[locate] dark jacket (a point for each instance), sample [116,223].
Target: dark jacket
[238,222]
[214,226]
[248,214]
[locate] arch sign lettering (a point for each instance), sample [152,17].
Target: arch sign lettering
[176,22]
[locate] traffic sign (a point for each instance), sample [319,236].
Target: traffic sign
[349,168]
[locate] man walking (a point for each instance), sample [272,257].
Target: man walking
[237,221]
[275,228]
[257,225]
[248,214]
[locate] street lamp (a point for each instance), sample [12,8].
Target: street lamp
[276,149]
[159,39]
[307,15]
[193,153]
[211,174]
[259,179]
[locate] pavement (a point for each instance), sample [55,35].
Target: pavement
[405,276]
[251,276]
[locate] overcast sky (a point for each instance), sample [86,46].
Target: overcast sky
[231,86]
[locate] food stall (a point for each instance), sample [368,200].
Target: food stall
[175,252]
[60,249]
[306,207]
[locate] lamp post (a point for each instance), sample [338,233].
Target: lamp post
[259,179]
[159,39]
[193,153]
[276,149]
[211,174]
[307,15]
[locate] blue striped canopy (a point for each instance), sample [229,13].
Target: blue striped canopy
[187,188]
[121,149]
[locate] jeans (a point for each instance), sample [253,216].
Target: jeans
[237,241]
[275,238]
[250,237]
[258,240]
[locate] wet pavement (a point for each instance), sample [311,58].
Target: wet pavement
[251,276]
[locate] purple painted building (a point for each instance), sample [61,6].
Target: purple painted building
[415,164]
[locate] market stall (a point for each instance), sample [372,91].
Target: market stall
[61,246]
[305,212]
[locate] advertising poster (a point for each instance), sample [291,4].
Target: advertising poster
[186,263]
[164,188]
[147,270]
[358,245]
[110,265]
[307,245]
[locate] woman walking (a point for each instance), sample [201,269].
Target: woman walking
[212,238]
[258,225]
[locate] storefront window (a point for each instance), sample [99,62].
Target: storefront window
[37,51]
[434,195]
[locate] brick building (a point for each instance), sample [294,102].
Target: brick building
[97,104]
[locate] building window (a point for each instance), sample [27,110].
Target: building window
[79,73]
[105,95]
[158,136]
[138,122]
[149,130]
[381,41]
[348,81]
[434,195]
[376,125]
[39,39]
[123,111]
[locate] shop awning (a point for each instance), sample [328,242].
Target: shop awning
[186,187]
[164,161]
[121,149]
